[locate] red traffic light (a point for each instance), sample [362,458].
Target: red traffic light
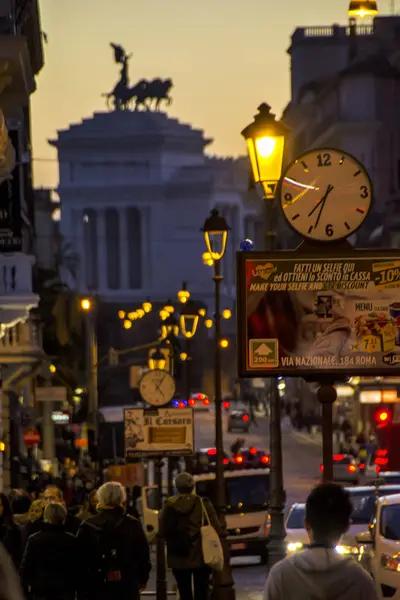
[383,417]
[226,404]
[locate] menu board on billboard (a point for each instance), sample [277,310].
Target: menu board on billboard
[300,314]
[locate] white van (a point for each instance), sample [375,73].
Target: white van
[381,544]
[247,518]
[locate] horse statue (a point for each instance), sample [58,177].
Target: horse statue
[150,94]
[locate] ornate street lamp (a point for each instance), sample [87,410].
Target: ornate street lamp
[215,231]
[189,319]
[169,307]
[363,8]
[157,360]
[183,294]
[265,139]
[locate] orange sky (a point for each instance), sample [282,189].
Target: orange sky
[224,56]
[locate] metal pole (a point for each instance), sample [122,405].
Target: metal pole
[188,393]
[327,396]
[276,543]
[223,588]
[92,349]
[161,574]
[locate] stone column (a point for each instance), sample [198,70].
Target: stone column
[124,247]
[101,234]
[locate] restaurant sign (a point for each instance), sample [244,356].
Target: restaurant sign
[158,432]
[300,314]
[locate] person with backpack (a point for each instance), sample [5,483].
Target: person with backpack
[115,548]
[319,572]
[181,522]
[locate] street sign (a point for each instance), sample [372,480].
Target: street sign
[60,417]
[31,437]
[162,431]
[303,314]
[51,394]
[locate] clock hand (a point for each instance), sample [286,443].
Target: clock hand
[323,199]
[328,191]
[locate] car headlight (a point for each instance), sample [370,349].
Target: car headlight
[391,563]
[294,546]
[347,549]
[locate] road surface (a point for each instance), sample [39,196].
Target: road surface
[301,460]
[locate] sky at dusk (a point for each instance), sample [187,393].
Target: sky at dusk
[225,57]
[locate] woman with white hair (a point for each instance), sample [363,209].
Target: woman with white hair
[116,549]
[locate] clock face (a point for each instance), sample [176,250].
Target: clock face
[157,387]
[325,194]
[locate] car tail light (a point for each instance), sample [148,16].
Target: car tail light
[377,469]
[253,451]
[321,468]
[191,401]
[381,452]
[200,396]
[265,459]
[245,418]
[267,526]
[226,404]
[238,460]
[212,452]
[381,461]
[181,405]
[351,468]
[338,457]
[362,466]
[206,402]
[225,461]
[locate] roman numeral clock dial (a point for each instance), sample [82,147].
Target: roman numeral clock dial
[325,195]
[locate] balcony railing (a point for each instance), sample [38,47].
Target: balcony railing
[22,339]
[323,31]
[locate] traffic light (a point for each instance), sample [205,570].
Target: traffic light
[383,417]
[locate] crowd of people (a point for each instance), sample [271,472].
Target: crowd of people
[102,553]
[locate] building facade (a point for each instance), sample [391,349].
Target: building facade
[135,189]
[21,59]
[345,92]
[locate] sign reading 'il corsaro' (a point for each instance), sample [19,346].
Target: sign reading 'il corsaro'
[300,314]
[158,432]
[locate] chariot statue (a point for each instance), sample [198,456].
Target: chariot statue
[144,94]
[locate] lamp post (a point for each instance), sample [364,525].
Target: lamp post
[89,308]
[189,319]
[215,231]
[265,138]
[363,8]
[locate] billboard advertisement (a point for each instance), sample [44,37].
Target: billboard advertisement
[302,314]
[158,432]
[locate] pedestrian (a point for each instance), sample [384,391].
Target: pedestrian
[35,520]
[53,494]
[10,534]
[20,507]
[89,508]
[319,571]
[180,523]
[115,547]
[51,566]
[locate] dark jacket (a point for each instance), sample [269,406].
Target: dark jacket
[72,524]
[182,515]
[133,554]
[11,538]
[29,529]
[51,565]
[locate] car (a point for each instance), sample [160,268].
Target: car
[385,478]
[363,499]
[199,402]
[239,420]
[381,545]
[345,469]
[251,458]
[206,458]
[247,517]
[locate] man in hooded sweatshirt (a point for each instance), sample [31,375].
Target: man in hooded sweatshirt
[180,524]
[319,573]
